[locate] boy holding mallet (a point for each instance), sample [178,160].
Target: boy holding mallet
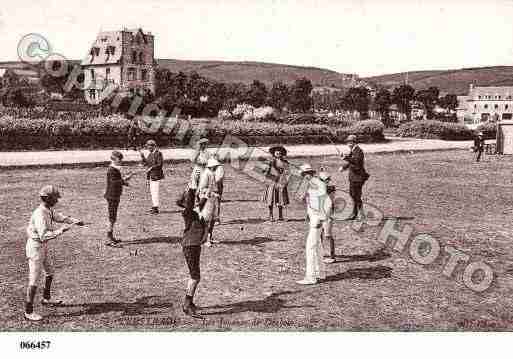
[115,183]
[41,230]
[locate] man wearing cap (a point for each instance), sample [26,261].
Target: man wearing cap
[479,146]
[40,230]
[355,163]
[318,206]
[154,162]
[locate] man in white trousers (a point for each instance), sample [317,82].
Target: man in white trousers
[318,206]
[154,162]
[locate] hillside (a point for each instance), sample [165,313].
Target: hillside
[246,72]
[227,71]
[449,81]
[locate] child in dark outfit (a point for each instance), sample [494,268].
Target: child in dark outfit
[193,238]
[115,183]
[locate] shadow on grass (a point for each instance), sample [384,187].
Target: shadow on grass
[170,212]
[378,272]
[140,306]
[245,221]
[271,304]
[373,257]
[399,218]
[239,200]
[161,239]
[297,220]
[256,241]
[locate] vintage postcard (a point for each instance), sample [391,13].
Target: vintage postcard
[254,166]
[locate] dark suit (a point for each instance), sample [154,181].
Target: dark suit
[154,160]
[479,147]
[113,191]
[355,163]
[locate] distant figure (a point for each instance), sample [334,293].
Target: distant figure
[355,162]
[276,193]
[154,173]
[133,132]
[479,146]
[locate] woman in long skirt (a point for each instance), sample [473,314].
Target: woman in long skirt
[276,193]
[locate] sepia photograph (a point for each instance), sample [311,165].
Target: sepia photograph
[255,167]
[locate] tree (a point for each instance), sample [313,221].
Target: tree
[449,102]
[429,99]
[300,99]
[402,97]
[357,99]
[278,96]
[382,102]
[257,94]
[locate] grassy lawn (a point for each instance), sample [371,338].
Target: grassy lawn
[248,281]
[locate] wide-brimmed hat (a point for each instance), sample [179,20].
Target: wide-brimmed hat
[274,149]
[202,140]
[212,162]
[49,191]
[351,139]
[305,168]
[480,134]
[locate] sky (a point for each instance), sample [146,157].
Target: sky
[362,37]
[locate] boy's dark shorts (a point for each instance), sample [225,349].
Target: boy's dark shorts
[192,257]
[113,204]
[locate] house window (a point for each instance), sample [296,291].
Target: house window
[141,58]
[506,106]
[144,74]
[134,57]
[95,51]
[479,97]
[110,50]
[486,106]
[92,94]
[496,106]
[92,75]
[107,73]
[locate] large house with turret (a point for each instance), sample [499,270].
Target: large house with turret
[122,58]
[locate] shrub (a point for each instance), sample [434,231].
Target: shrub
[80,130]
[435,130]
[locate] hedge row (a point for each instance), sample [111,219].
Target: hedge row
[435,130]
[111,132]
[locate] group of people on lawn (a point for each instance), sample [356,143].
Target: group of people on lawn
[201,203]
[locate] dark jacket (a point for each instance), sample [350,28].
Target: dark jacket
[115,184]
[154,161]
[479,144]
[356,165]
[195,227]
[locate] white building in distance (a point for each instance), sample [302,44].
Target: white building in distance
[485,103]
